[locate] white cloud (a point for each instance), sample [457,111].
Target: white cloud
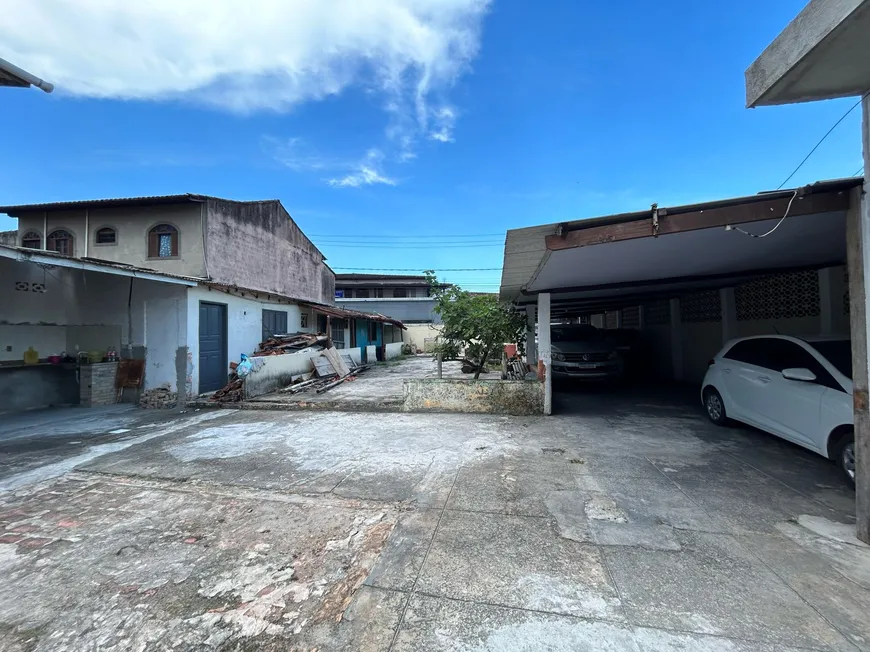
[296,154]
[444,119]
[366,173]
[248,56]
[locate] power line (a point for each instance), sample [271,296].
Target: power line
[413,246]
[390,243]
[859,172]
[836,124]
[414,236]
[421,270]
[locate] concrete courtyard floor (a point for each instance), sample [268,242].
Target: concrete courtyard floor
[626,522]
[379,388]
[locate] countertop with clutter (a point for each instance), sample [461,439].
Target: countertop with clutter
[54,380]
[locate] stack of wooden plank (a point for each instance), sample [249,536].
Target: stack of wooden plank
[281,344]
[516,369]
[331,368]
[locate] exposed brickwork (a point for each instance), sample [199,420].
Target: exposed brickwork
[98,384]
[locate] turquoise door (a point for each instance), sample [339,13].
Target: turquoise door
[362,336]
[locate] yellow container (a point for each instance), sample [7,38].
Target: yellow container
[31,356]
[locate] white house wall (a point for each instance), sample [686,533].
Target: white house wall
[244,324]
[86,311]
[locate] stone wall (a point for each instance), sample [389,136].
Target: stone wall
[98,384]
[515,397]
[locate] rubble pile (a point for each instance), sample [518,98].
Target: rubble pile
[331,369]
[293,343]
[159,398]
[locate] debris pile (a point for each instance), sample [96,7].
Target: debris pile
[516,369]
[159,398]
[232,392]
[331,369]
[294,343]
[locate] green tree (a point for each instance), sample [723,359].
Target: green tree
[478,323]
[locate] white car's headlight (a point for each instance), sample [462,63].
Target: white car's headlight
[558,356]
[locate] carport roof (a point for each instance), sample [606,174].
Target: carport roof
[12,75]
[618,258]
[823,53]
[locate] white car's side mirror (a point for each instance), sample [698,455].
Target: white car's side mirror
[799,373]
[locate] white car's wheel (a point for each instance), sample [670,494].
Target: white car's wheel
[714,407]
[846,457]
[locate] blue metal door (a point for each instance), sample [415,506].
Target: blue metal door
[362,337]
[212,346]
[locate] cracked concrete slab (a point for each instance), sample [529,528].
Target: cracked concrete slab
[713,585]
[402,557]
[830,582]
[129,565]
[200,527]
[510,486]
[516,561]
[440,625]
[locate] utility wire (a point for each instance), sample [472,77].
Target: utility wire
[859,172]
[414,246]
[414,236]
[781,220]
[419,270]
[812,151]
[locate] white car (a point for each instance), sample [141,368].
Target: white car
[799,389]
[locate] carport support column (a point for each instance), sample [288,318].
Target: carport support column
[531,349]
[676,340]
[858,256]
[544,346]
[729,314]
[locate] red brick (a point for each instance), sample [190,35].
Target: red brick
[11,538]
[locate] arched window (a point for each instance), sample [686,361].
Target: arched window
[32,240]
[106,235]
[61,241]
[163,241]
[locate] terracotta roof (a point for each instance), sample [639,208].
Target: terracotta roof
[344,313]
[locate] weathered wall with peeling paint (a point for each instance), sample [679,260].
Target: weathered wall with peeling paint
[258,245]
[515,397]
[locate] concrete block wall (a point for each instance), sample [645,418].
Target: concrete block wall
[515,397]
[277,371]
[97,386]
[393,350]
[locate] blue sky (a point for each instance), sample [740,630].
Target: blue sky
[436,124]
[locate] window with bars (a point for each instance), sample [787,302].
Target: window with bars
[163,241]
[779,296]
[106,235]
[61,241]
[32,240]
[337,327]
